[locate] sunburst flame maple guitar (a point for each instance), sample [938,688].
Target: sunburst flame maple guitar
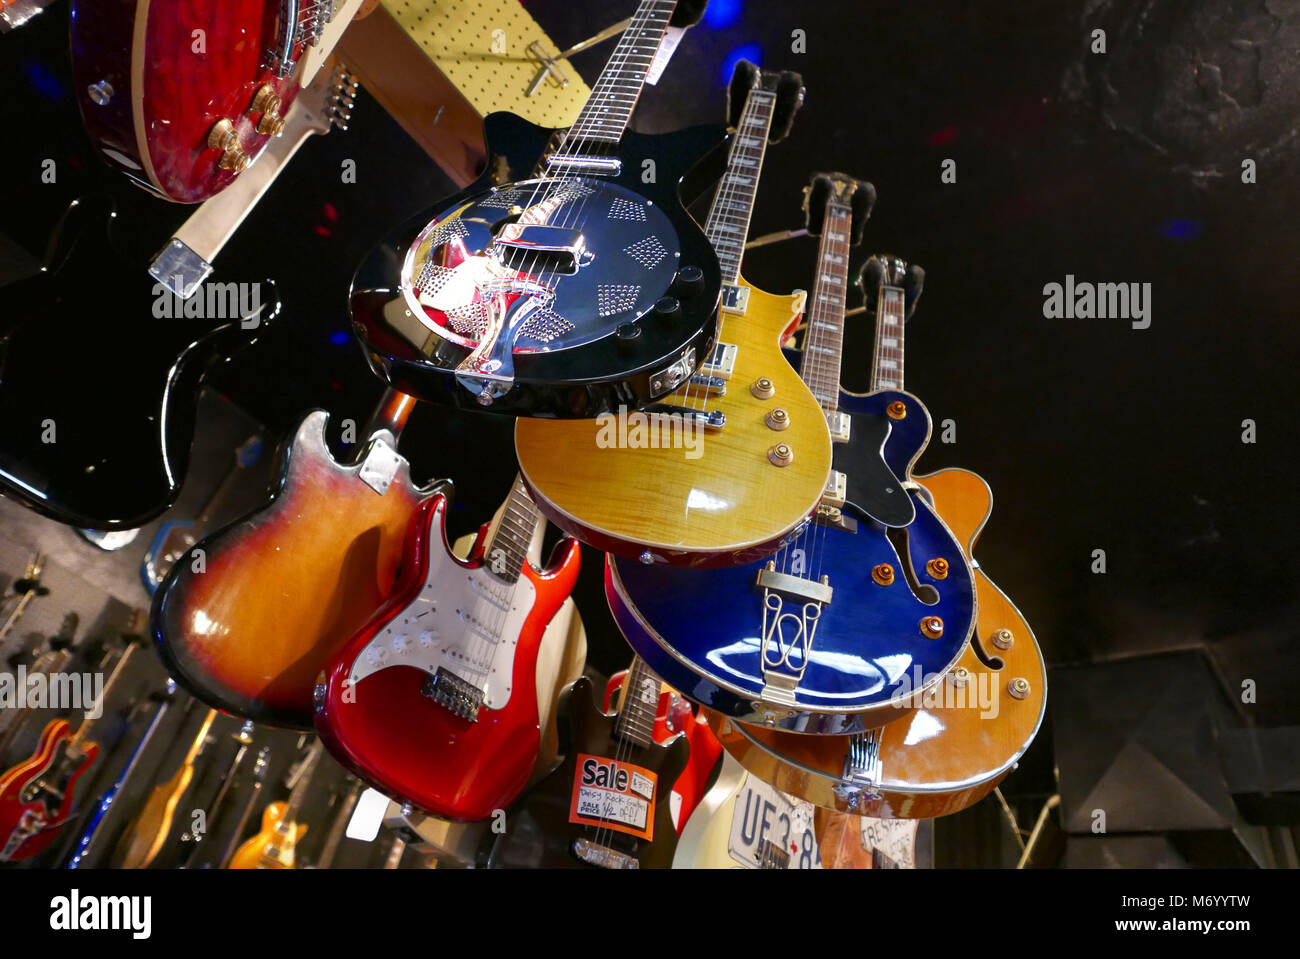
[434,701]
[183,97]
[577,289]
[248,618]
[707,457]
[853,611]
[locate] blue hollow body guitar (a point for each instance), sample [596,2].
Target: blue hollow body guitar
[870,602]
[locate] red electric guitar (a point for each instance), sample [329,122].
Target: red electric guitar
[434,701]
[37,795]
[182,95]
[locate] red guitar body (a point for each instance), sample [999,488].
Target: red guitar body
[37,795]
[154,77]
[383,709]
[677,715]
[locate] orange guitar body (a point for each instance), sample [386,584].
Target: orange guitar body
[961,740]
[252,614]
[273,847]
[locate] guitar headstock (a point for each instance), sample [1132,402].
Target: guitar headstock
[888,270]
[786,85]
[327,102]
[840,191]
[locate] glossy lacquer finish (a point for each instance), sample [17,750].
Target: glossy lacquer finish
[700,630]
[279,592]
[958,744]
[539,833]
[169,87]
[577,381]
[706,500]
[96,418]
[402,742]
[37,796]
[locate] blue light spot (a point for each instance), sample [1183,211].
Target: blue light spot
[722,13]
[43,80]
[340,337]
[1182,229]
[752,52]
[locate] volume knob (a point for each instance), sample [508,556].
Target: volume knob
[689,282]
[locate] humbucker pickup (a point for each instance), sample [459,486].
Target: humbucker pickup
[837,488]
[721,360]
[603,856]
[454,694]
[839,425]
[735,298]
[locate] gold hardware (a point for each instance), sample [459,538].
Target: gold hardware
[1003,639]
[1018,688]
[763,388]
[224,137]
[781,455]
[267,102]
[959,676]
[882,574]
[777,419]
[937,568]
[897,410]
[932,627]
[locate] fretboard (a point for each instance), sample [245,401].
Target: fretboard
[508,549]
[613,98]
[728,222]
[824,341]
[638,705]
[887,364]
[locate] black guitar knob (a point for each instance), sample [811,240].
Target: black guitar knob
[689,282]
[626,336]
[668,309]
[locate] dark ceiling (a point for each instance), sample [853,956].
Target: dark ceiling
[1115,167]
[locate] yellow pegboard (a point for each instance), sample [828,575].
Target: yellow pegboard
[458,36]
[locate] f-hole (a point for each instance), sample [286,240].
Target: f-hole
[898,539]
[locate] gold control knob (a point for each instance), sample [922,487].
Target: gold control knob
[781,455]
[1018,688]
[932,627]
[225,138]
[1003,639]
[882,574]
[897,410]
[937,568]
[959,676]
[267,102]
[777,419]
[763,388]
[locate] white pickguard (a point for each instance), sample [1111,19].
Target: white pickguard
[466,621]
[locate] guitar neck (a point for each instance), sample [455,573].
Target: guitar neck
[89,723]
[614,96]
[887,361]
[824,342]
[514,534]
[733,206]
[335,838]
[638,705]
[304,782]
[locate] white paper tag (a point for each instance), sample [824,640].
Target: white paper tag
[367,816]
[672,37]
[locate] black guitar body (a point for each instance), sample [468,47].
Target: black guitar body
[619,324]
[99,377]
[539,833]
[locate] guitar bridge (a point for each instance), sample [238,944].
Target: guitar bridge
[454,694]
[863,771]
[595,854]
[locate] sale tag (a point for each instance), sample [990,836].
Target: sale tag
[763,814]
[614,795]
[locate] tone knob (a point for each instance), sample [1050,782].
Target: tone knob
[688,282]
[763,388]
[225,138]
[777,419]
[626,337]
[267,102]
[782,454]
[668,308]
